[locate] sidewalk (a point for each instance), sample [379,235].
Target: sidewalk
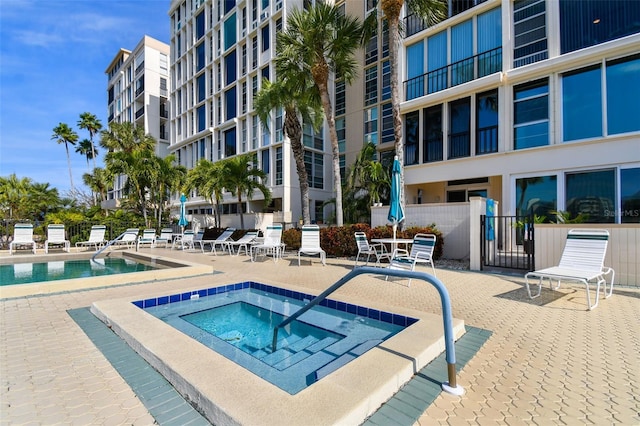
[548,360]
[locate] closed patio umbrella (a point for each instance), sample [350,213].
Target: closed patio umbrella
[396,213]
[183,217]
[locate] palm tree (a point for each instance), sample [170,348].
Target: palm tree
[324,40]
[369,175]
[168,178]
[13,196]
[242,177]
[85,147]
[208,179]
[99,182]
[92,124]
[126,137]
[62,133]
[431,12]
[294,92]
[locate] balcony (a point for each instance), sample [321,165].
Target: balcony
[460,72]
[164,113]
[414,23]
[139,113]
[139,91]
[140,67]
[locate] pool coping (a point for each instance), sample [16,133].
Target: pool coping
[186,269]
[228,394]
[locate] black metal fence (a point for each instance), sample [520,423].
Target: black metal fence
[77,231]
[507,242]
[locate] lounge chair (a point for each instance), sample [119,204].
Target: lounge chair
[56,237]
[22,237]
[148,238]
[310,243]
[243,242]
[184,241]
[421,253]
[364,247]
[582,261]
[96,237]
[272,244]
[129,238]
[221,240]
[166,237]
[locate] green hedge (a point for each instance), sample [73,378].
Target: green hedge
[341,242]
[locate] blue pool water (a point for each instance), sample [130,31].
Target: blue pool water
[237,321]
[24,273]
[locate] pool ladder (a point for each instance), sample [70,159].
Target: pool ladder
[450,386]
[119,237]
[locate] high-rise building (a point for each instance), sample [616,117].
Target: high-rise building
[533,103]
[138,92]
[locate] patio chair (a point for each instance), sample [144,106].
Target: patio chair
[184,241]
[582,261]
[243,242]
[96,237]
[310,243]
[221,240]
[272,244]
[129,239]
[56,237]
[148,238]
[22,237]
[364,247]
[166,236]
[421,253]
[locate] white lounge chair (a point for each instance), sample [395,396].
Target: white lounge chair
[56,237]
[221,240]
[166,237]
[582,261]
[272,244]
[243,242]
[129,238]
[364,247]
[96,237]
[184,241]
[22,237]
[148,238]
[421,253]
[310,243]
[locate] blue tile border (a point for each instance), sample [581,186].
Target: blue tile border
[363,311]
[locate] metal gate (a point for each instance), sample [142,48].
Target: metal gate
[507,242]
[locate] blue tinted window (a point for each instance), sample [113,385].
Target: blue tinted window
[411,152]
[489,30]
[230,103]
[228,5]
[202,89]
[202,118]
[230,31]
[200,60]
[531,115]
[537,195]
[582,105]
[437,78]
[265,38]
[623,95]
[230,142]
[230,68]
[487,122]
[630,194]
[265,160]
[460,120]
[591,195]
[200,26]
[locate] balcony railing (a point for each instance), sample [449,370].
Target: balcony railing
[487,140]
[414,23]
[140,67]
[460,72]
[164,113]
[140,113]
[139,90]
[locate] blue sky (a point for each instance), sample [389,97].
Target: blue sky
[53,54]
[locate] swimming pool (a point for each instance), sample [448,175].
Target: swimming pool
[237,321]
[38,279]
[228,393]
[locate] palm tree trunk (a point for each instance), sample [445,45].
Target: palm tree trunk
[294,131]
[394,36]
[240,209]
[66,146]
[335,150]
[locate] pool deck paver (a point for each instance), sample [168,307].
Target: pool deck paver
[547,361]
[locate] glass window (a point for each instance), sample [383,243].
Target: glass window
[279,166]
[230,142]
[587,23]
[266,166]
[489,30]
[487,122]
[371,51]
[531,115]
[265,38]
[371,126]
[536,195]
[230,31]
[371,85]
[387,134]
[415,71]
[386,80]
[623,95]
[200,25]
[230,103]
[341,100]
[462,53]
[530,34]
[200,59]
[412,134]
[630,195]
[230,68]
[432,139]
[202,118]
[202,88]
[460,125]
[437,62]
[591,194]
[582,104]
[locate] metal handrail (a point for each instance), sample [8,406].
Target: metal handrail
[451,386]
[119,237]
